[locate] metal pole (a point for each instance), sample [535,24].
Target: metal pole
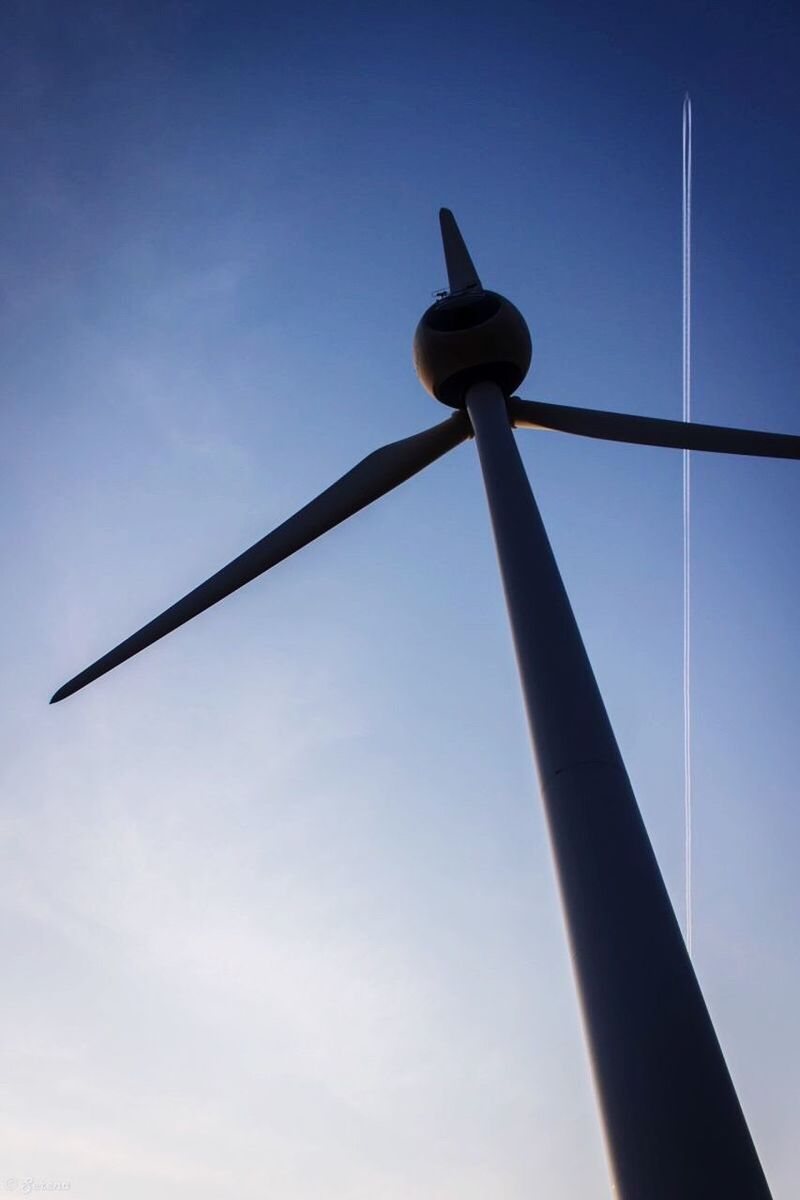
[673,1124]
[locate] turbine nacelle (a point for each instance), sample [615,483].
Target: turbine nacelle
[467,337]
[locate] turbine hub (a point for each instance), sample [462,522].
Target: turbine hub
[467,337]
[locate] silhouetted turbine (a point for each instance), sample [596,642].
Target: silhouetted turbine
[673,1123]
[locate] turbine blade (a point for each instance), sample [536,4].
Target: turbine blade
[651,431]
[373,477]
[461,273]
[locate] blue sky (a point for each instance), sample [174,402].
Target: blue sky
[277,904]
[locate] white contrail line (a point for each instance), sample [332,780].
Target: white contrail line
[687,496]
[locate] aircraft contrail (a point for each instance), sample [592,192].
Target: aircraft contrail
[687,497]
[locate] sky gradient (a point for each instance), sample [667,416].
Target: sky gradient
[278,912]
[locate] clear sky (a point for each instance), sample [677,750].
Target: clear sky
[278,912]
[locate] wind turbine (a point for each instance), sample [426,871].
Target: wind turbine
[672,1120]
